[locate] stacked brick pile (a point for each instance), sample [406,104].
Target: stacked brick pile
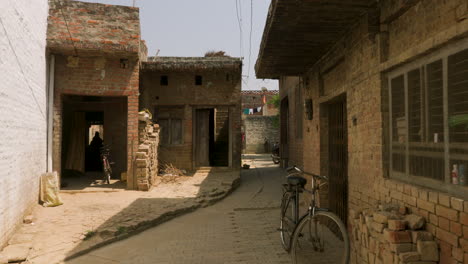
[392,236]
[146,162]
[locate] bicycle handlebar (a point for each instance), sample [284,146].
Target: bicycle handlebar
[294,168]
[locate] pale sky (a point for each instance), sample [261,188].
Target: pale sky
[192,27]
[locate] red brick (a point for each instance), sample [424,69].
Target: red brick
[447,212]
[428,206]
[444,223]
[464,219]
[456,204]
[447,237]
[456,228]
[444,199]
[397,236]
[457,253]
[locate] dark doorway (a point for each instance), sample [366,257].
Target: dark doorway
[82,117]
[211,137]
[338,158]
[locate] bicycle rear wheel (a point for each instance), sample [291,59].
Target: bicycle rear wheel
[287,220]
[321,238]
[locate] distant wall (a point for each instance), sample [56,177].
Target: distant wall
[23,108]
[257,128]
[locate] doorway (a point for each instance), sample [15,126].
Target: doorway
[88,122]
[211,137]
[338,158]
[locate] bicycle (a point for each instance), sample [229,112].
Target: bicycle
[317,235]
[106,164]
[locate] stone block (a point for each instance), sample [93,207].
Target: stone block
[409,256]
[415,222]
[141,163]
[378,227]
[397,236]
[401,247]
[421,236]
[428,250]
[396,225]
[383,217]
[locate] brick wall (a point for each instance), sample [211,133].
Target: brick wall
[23,109]
[288,88]
[254,99]
[93,26]
[362,58]
[147,155]
[257,129]
[216,91]
[97,76]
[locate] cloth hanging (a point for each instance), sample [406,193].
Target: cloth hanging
[251,111]
[246,111]
[75,159]
[255,110]
[259,109]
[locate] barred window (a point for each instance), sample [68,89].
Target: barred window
[429,121]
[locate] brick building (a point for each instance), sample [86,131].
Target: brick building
[373,94]
[197,103]
[261,129]
[97,53]
[23,109]
[259,98]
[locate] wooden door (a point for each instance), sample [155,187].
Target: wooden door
[202,137]
[338,159]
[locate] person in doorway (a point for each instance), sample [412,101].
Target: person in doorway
[96,142]
[95,151]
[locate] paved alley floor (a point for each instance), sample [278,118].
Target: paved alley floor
[242,228]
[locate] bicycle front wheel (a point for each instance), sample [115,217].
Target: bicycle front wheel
[320,238]
[287,220]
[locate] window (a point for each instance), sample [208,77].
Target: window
[170,120]
[164,80]
[171,131]
[198,80]
[429,121]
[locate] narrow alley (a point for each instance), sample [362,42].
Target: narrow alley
[239,229]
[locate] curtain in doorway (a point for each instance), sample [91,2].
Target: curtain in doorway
[75,159]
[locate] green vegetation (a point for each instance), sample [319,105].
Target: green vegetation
[275,101]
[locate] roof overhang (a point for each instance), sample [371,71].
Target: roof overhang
[181,64]
[298,32]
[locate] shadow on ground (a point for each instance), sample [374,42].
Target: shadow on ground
[161,204]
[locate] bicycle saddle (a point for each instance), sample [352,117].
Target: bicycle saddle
[296,180]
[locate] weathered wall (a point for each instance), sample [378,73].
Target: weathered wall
[254,99]
[93,26]
[23,109]
[361,58]
[288,89]
[257,129]
[147,155]
[216,91]
[97,76]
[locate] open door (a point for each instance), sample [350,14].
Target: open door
[338,158]
[202,137]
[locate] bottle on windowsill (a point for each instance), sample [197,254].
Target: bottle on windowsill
[462,174]
[455,174]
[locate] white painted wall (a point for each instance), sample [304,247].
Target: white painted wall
[23,108]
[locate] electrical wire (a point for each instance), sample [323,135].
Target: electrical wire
[239,21]
[250,37]
[21,69]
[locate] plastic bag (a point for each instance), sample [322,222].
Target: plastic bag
[50,190]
